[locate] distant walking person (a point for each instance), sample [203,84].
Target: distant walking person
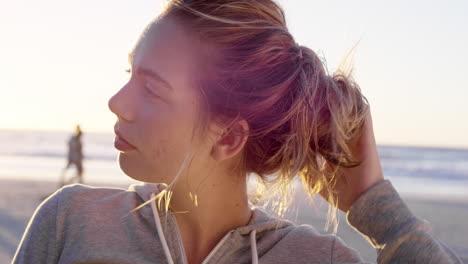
[75,157]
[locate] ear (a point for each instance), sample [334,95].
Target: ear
[231,141]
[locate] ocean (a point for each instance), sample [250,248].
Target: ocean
[41,155]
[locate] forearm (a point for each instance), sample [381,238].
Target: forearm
[385,220]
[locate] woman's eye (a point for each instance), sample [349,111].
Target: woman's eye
[150,91]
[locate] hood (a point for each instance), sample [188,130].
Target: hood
[260,223]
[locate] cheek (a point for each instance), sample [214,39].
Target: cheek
[166,143]
[166,133]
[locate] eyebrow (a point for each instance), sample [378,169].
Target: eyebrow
[153,75]
[148,72]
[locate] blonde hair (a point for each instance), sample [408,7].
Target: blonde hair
[299,115]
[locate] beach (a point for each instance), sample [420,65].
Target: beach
[447,216]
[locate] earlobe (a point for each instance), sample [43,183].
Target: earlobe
[232,141]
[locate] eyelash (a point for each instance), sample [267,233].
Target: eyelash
[148,90]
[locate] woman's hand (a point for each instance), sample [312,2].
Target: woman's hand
[355,181]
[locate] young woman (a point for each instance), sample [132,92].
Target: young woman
[219,90]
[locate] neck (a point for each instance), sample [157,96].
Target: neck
[205,212]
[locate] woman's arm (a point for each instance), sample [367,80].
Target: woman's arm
[384,219]
[38,244]
[376,210]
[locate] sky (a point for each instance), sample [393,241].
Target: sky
[61,61]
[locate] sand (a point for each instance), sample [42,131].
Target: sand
[448,217]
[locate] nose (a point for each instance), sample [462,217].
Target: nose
[121,104]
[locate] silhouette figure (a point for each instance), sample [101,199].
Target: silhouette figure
[75,157]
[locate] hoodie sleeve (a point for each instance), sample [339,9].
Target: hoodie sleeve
[38,244]
[383,218]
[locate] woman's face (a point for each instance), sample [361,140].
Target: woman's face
[157,107]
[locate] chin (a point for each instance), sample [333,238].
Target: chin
[130,168]
[137,171]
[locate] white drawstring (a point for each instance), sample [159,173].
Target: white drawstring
[162,238]
[253,246]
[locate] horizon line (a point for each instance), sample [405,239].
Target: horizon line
[100,131]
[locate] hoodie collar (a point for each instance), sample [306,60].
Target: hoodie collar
[261,221]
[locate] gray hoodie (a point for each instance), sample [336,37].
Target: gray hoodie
[83,224]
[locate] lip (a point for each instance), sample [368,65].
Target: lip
[121,144]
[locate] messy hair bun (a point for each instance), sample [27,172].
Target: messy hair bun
[299,115]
